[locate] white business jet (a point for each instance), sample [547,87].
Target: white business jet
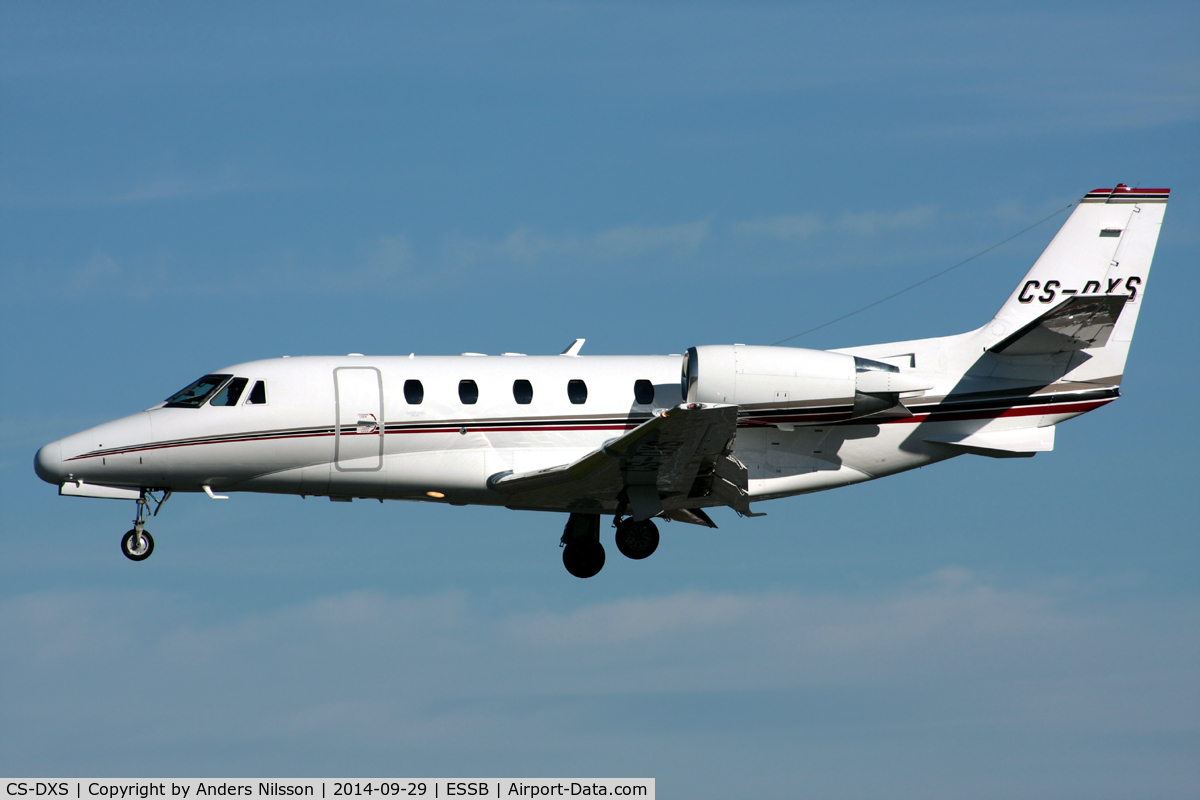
[643,437]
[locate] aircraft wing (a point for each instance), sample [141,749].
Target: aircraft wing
[1075,324]
[676,456]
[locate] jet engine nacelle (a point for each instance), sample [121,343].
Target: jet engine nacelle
[790,385]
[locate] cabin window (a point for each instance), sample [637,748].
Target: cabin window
[195,394]
[577,391]
[523,392]
[230,394]
[468,392]
[258,395]
[643,392]
[414,393]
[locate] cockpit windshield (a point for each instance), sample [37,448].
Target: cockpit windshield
[230,394]
[195,395]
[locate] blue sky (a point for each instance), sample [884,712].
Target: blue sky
[187,187]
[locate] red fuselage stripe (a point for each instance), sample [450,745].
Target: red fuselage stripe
[943,416]
[1021,411]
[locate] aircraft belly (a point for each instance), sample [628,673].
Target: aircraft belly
[541,458]
[934,430]
[455,464]
[460,475]
[275,465]
[769,453]
[543,445]
[782,463]
[364,476]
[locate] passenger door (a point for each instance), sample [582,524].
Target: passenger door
[359,427]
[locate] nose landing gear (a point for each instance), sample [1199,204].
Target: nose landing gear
[137,544]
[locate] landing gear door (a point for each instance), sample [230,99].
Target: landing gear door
[358,432]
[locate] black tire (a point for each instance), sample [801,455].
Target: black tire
[637,540]
[127,546]
[583,557]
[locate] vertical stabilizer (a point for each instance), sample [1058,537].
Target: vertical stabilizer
[1101,254]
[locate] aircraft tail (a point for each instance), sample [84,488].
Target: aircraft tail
[1085,290]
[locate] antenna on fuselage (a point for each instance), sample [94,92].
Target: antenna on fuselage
[574,348]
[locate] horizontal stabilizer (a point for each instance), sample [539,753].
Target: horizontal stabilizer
[1023,442]
[1077,323]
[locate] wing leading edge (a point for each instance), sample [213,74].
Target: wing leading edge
[679,460]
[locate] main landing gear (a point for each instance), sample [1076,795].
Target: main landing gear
[138,544]
[637,539]
[583,555]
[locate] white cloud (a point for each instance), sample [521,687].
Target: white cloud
[388,258]
[370,669]
[394,263]
[635,240]
[96,275]
[171,185]
[161,186]
[865,224]
[387,262]
[529,247]
[785,227]
[874,223]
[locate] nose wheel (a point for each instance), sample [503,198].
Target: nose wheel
[137,544]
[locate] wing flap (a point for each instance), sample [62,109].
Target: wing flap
[665,455]
[693,516]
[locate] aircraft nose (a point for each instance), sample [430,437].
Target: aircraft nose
[48,464]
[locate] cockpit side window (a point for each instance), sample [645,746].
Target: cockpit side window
[195,394]
[258,395]
[230,393]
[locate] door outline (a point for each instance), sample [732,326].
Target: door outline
[337,421]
